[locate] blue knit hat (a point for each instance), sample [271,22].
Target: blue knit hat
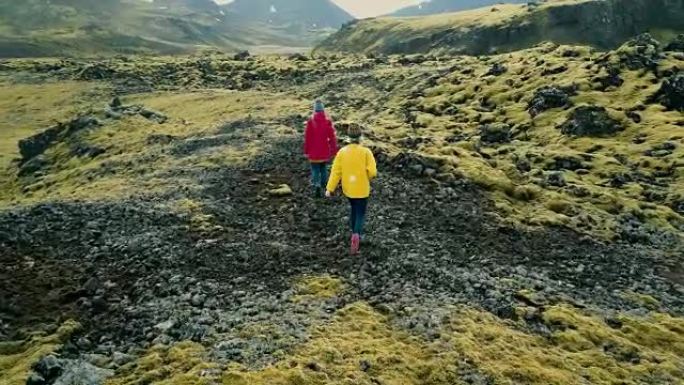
[318,106]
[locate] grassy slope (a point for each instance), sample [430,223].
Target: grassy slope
[506,27]
[136,27]
[517,195]
[580,347]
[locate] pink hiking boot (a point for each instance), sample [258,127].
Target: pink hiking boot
[355,243]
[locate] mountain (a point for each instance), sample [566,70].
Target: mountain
[106,27]
[190,5]
[601,23]
[307,13]
[444,6]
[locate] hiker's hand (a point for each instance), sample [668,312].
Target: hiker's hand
[328,194]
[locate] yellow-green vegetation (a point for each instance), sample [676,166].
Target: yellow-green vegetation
[453,108]
[361,346]
[134,164]
[505,27]
[27,108]
[17,357]
[182,364]
[197,219]
[582,349]
[317,287]
[640,299]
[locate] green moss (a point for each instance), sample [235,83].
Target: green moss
[360,346]
[17,357]
[317,287]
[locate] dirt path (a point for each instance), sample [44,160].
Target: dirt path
[126,269]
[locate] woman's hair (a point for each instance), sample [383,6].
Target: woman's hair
[354,131]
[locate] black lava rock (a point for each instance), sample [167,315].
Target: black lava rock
[546,98]
[555,179]
[677,45]
[495,133]
[37,144]
[49,368]
[642,52]
[590,121]
[671,93]
[497,69]
[242,55]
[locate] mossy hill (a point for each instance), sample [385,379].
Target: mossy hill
[77,28]
[526,227]
[604,24]
[445,6]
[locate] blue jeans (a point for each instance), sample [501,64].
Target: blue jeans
[358,214]
[319,175]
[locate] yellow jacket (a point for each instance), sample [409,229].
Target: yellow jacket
[355,166]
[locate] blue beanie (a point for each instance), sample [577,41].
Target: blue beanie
[318,106]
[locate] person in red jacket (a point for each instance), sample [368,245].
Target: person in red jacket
[320,146]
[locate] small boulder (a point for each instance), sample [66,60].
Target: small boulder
[49,368]
[547,98]
[677,45]
[153,115]
[611,79]
[671,93]
[37,144]
[641,52]
[495,133]
[116,103]
[110,113]
[242,55]
[555,179]
[559,69]
[299,57]
[122,358]
[282,191]
[566,162]
[78,372]
[35,379]
[496,70]
[590,121]
[198,300]
[34,165]
[661,150]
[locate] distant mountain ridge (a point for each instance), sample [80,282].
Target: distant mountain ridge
[309,13]
[195,5]
[443,6]
[106,27]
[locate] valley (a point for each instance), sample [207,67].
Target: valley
[527,227]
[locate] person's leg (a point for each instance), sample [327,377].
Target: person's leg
[352,214]
[354,219]
[316,178]
[361,206]
[324,175]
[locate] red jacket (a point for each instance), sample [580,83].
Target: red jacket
[320,142]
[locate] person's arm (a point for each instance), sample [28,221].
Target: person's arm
[332,139]
[371,166]
[335,175]
[307,140]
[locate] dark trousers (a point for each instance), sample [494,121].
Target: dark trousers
[358,214]
[319,175]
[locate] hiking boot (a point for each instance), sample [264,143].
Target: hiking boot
[355,243]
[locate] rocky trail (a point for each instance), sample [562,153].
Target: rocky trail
[134,274]
[535,196]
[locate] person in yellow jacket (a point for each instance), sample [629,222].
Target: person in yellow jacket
[355,167]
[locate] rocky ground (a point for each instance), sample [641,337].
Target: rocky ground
[220,276]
